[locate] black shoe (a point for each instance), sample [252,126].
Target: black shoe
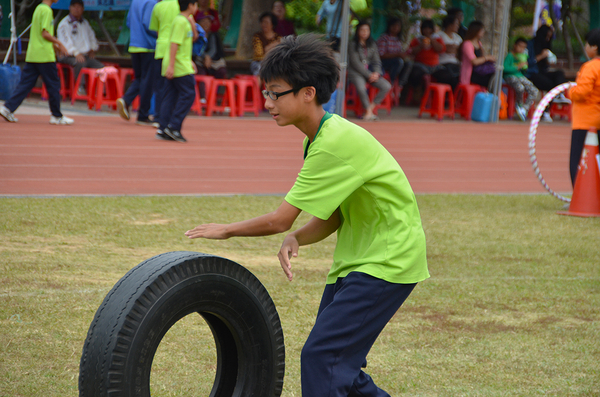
[175,134]
[162,136]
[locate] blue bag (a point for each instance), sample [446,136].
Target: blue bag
[482,107]
[330,106]
[199,45]
[10,75]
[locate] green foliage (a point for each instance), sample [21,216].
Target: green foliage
[303,13]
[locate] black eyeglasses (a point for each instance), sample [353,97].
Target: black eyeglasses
[275,95]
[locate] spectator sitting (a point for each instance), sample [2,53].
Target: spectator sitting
[426,50]
[540,56]
[205,10]
[452,40]
[364,66]
[462,30]
[476,67]
[77,35]
[263,41]
[284,26]
[332,10]
[514,65]
[392,54]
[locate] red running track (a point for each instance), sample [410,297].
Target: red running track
[104,155]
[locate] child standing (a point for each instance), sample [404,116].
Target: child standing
[161,21]
[350,184]
[179,69]
[40,60]
[585,97]
[514,65]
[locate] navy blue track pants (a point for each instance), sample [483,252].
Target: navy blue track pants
[352,314]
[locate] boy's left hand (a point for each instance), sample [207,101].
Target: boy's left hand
[213,231]
[289,249]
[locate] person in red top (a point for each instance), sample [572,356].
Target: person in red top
[204,10]
[585,97]
[426,50]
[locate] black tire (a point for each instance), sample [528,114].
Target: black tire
[136,314]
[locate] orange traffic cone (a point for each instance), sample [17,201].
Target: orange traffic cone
[586,193]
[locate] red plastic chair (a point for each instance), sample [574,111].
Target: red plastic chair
[465,96]
[220,103]
[88,97]
[248,95]
[435,99]
[353,102]
[385,104]
[105,93]
[198,105]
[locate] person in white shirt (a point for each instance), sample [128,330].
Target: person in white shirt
[452,40]
[79,39]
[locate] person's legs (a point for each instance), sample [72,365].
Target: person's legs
[577,144]
[515,84]
[168,103]
[185,98]
[352,314]
[134,87]
[361,88]
[49,74]
[393,67]
[383,86]
[29,77]
[405,73]
[557,77]
[147,85]
[541,81]
[531,91]
[158,87]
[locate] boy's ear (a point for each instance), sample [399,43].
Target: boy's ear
[310,94]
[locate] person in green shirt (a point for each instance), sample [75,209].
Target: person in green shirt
[178,69]
[40,61]
[352,186]
[163,14]
[515,64]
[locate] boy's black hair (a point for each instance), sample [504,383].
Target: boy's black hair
[270,15]
[520,40]
[73,2]
[427,23]
[391,22]
[303,61]
[593,38]
[184,4]
[454,11]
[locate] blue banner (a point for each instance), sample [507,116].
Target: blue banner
[95,5]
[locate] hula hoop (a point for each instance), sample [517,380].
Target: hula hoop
[535,121]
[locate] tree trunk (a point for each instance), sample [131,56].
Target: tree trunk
[490,13]
[250,25]
[566,19]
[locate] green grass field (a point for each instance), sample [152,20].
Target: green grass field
[512,307]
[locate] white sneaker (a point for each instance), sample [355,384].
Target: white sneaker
[64,120]
[546,117]
[8,115]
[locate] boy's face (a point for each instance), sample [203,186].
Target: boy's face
[287,109]
[519,47]
[591,51]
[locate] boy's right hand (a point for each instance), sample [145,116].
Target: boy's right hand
[170,71]
[289,249]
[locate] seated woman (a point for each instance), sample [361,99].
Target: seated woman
[540,51]
[452,40]
[392,53]
[284,27]
[211,63]
[426,50]
[263,41]
[364,66]
[205,10]
[476,67]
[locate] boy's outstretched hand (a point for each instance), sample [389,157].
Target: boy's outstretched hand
[288,249]
[213,231]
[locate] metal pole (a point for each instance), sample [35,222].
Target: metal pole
[500,62]
[341,95]
[13,34]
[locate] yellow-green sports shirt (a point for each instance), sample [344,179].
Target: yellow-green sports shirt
[40,50]
[182,35]
[381,233]
[161,21]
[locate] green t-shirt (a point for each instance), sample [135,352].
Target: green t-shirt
[511,66]
[40,50]
[182,35]
[161,21]
[380,234]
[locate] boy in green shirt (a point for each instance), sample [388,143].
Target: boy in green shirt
[353,186]
[179,69]
[514,64]
[40,61]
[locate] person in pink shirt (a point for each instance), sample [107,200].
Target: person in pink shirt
[476,67]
